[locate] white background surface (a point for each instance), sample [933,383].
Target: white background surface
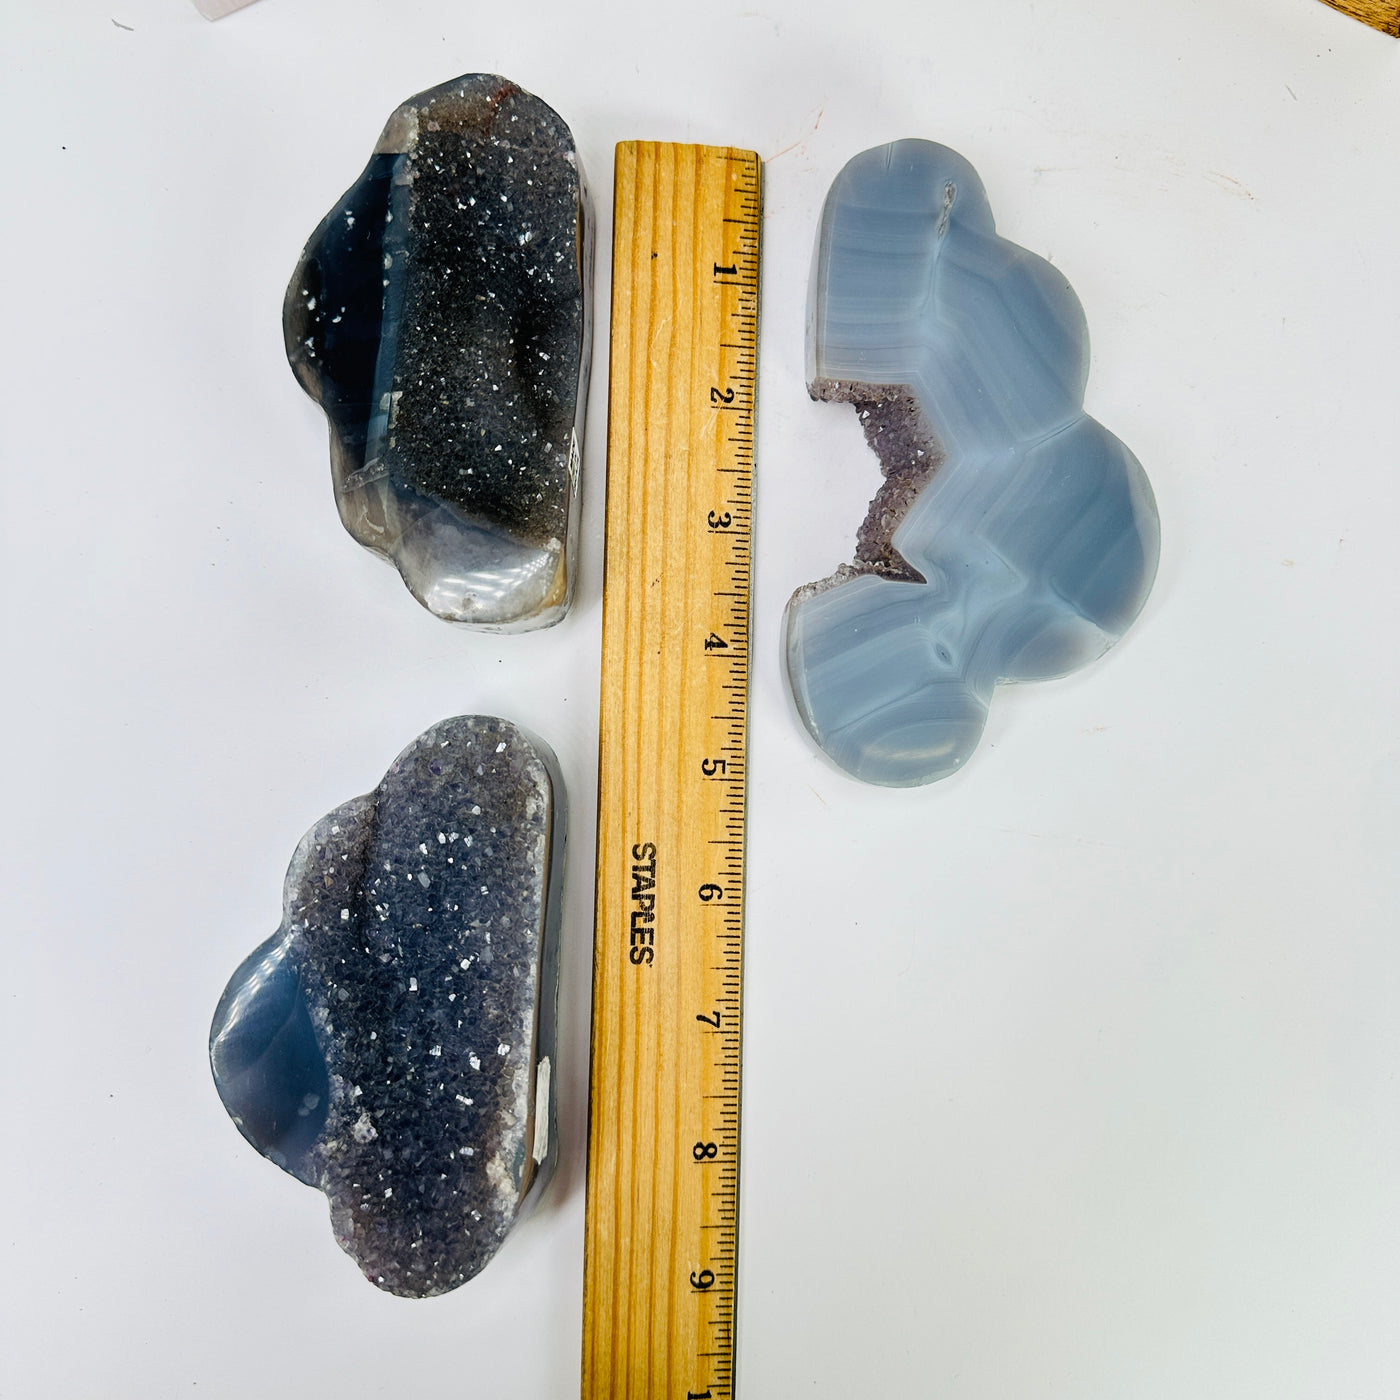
[1074,1075]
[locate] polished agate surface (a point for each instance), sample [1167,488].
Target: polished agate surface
[1014,538]
[440,317]
[392,1043]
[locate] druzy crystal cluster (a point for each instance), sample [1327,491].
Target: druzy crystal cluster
[1014,538]
[392,1043]
[440,317]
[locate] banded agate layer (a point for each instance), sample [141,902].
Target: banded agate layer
[1014,538]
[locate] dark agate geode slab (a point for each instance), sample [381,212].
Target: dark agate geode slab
[392,1042]
[1014,538]
[440,315]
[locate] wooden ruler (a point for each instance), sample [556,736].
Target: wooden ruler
[663,1159]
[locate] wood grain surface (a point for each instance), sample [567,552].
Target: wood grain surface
[662,1209]
[1380,14]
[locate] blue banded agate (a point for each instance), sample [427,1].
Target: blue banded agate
[1013,538]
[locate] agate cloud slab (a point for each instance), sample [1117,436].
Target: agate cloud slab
[1014,538]
[440,315]
[392,1043]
